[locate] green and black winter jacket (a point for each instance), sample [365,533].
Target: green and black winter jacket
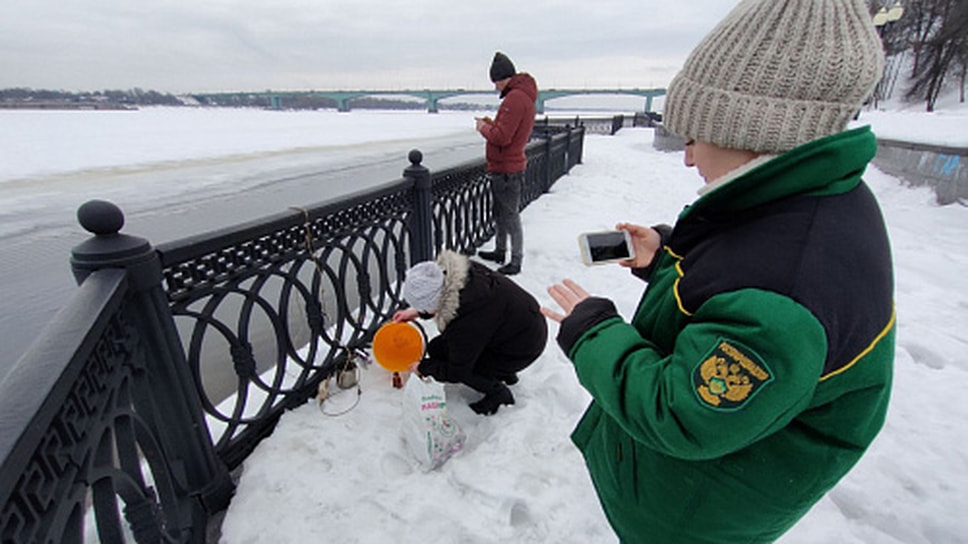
[757,368]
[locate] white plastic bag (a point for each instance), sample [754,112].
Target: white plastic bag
[432,436]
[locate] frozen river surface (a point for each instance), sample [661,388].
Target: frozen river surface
[180,172]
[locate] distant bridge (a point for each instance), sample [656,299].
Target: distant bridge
[277,99]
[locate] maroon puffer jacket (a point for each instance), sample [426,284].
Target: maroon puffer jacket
[511,129]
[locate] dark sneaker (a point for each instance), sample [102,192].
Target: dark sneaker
[494,256]
[492,401]
[510,269]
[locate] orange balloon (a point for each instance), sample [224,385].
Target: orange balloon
[396,346]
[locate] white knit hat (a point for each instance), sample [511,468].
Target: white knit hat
[775,74]
[423,286]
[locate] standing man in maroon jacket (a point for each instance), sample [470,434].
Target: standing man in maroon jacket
[506,136]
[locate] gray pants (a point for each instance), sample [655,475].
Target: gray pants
[506,189]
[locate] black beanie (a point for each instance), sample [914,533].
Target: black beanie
[501,67]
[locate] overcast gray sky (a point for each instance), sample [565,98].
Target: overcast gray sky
[247,45]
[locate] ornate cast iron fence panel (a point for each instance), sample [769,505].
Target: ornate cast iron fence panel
[269,310]
[461,204]
[558,156]
[88,461]
[537,177]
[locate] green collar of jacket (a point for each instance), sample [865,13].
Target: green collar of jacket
[829,165]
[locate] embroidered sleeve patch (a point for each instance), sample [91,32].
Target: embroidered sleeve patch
[729,376]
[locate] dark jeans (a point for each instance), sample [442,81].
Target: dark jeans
[506,190]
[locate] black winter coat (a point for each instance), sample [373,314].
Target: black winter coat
[490,328]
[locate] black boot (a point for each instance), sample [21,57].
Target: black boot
[495,256]
[510,269]
[493,400]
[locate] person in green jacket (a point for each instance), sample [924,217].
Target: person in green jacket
[757,367]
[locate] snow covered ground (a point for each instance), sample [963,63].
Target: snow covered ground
[910,123]
[349,478]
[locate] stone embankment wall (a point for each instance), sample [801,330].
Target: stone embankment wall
[663,140]
[944,169]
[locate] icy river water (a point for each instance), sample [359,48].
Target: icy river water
[181,172]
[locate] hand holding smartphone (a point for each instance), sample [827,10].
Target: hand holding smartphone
[604,247]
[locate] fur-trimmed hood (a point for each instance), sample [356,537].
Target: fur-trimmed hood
[455,267]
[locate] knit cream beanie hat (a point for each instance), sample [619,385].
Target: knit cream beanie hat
[775,74]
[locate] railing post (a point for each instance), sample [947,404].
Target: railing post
[170,405]
[549,160]
[581,144]
[618,121]
[422,219]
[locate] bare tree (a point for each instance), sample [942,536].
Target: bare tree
[964,72]
[922,19]
[941,53]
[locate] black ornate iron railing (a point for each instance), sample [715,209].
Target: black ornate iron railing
[170,364]
[101,435]
[269,310]
[593,125]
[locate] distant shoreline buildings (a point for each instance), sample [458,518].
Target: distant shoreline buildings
[63,105]
[30,99]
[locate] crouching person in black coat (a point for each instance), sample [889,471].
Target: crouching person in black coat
[490,328]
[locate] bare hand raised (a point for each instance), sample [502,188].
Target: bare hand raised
[567,294]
